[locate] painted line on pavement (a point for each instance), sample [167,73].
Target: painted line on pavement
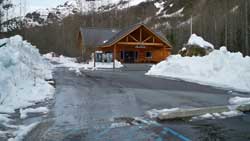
[180,136]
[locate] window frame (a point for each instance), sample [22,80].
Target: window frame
[151,54]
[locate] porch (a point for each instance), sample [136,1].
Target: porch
[132,53]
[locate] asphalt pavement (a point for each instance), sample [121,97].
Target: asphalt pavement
[109,105]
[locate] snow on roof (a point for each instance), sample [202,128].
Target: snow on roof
[197,40]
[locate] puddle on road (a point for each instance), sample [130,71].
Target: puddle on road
[211,132]
[121,128]
[139,129]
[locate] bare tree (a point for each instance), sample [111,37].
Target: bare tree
[79,3]
[1,14]
[247,28]
[5,6]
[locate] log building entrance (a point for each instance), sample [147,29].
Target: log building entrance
[129,56]
[135,44]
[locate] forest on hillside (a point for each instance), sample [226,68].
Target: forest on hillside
[223,23]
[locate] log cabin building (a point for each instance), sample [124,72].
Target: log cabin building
[135,44]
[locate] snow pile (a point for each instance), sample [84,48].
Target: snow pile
[239,101]
[4,118]
[120,124]
[23,131]
[65,61]
[72,64]
[197,40]
[155,113]
[220,68]
[22,75]
[222,115]
[24,113]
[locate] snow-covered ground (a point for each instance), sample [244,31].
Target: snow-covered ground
[220,68]
[72,64]
[23,75]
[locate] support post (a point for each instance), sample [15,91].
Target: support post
[114,56]
[191,25]
[123,55]
[246,30]
[95,59]
[140,35]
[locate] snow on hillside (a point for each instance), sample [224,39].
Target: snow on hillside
[197,40]
[42,16]
[220,68]
[164,9]
[175,14]
[48,15]
[22,76]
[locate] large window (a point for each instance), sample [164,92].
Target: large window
[148,54]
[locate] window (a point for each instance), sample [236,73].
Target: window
[148,54]
[136,55]
[122,55]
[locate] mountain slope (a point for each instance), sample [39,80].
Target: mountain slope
[71,7]
[217,21]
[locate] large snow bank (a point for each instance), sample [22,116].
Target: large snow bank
[220,68]
[22,75]
[197,40]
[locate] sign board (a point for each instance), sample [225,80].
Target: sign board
[140,46]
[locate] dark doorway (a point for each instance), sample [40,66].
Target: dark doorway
[130,56]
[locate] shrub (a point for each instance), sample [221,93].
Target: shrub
[194,50]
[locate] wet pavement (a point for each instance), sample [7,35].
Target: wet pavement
[110,105]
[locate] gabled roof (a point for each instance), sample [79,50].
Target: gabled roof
[122,33]
[97,37]
[94,37]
